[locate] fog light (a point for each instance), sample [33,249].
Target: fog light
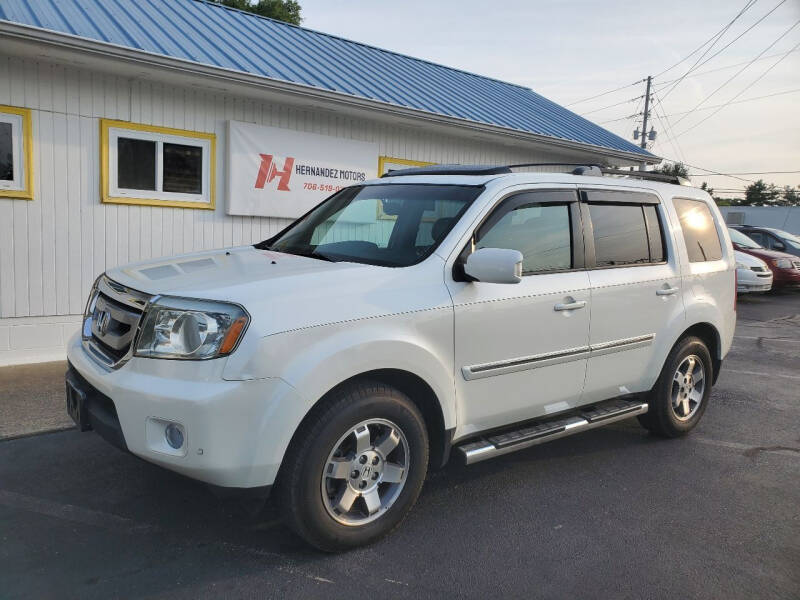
[174,436]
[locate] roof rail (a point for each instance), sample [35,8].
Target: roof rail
[580,169]
[648,175]
[449,170]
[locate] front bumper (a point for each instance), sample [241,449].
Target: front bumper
[785,277]
[752,281]
[236,432]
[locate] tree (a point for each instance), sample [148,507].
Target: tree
[677,169]
[287,11]
[704,186]
[760,193]
[791,196]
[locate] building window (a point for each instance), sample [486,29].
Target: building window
[699,232]
[16,153]
[386,164]
[149,165]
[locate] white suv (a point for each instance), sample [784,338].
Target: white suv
[438,311]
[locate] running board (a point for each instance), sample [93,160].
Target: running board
[545,431]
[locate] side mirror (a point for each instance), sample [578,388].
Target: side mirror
[495,265]
[778,245]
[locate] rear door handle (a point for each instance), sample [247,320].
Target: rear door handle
[570,305]
[667,291]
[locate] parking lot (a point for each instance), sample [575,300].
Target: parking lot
[613,513]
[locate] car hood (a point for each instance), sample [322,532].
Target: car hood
[764,253]
[283,292]
[748,260]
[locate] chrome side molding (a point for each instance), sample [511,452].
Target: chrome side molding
[524,363]
[546,359]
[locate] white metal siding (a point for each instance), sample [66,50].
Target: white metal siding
[52,248]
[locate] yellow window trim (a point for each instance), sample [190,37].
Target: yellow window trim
[107,198]
[27,152]
[382,160]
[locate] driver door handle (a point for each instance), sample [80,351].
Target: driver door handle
[570,305]
[667,291]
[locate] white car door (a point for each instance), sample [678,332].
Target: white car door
[521,349]
[636,290]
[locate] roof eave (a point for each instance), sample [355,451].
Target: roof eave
[26,33]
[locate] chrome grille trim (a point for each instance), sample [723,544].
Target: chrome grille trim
[111,323]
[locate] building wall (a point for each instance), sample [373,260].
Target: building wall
[779,217]
[53,247]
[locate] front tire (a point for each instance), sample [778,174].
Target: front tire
[355,467]
[680,396]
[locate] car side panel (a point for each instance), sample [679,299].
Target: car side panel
[709,288]
[315,360]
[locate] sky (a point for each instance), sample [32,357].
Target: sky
[571,50]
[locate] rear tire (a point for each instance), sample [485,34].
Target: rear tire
[355,467]
[680,396]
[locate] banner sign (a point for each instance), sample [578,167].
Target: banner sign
[276,172]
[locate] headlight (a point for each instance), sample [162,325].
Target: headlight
[191,329]
[741,266]
[782,263]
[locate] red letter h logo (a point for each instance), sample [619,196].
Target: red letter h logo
[269,171]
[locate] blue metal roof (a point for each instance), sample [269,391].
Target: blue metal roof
[210,34]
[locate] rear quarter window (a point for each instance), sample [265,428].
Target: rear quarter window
[699,232]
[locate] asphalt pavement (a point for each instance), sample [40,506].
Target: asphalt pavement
[612,513]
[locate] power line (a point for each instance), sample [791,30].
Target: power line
[612,105]
[687,74]
[759,78]
[605,93]
[718,38]
[633,116]
[708,170]
[664,84]
[713,37]
[725,47]
[713,106]
[666,122]
[735,75]
[751,173]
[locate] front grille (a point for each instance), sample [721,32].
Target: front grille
[797,264]
[758,269]
[112,321]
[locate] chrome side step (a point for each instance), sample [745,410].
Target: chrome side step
[545,431]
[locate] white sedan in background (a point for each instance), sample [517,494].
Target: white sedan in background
[752,274]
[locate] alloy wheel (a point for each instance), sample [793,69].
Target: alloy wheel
[365,472]
[688,388]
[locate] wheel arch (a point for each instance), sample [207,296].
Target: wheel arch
[712,339]
[418,391]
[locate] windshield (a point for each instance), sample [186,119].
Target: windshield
[787,237]
[740,239]
[394,225]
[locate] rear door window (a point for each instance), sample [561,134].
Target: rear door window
[620,234]
[699,232]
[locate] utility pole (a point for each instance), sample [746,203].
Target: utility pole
[642,166]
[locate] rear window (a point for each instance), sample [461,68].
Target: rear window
[699,232]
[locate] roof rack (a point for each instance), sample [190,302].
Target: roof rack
[580,169]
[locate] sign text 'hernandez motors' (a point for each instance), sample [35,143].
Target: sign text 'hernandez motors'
[269,171]
[284,173]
